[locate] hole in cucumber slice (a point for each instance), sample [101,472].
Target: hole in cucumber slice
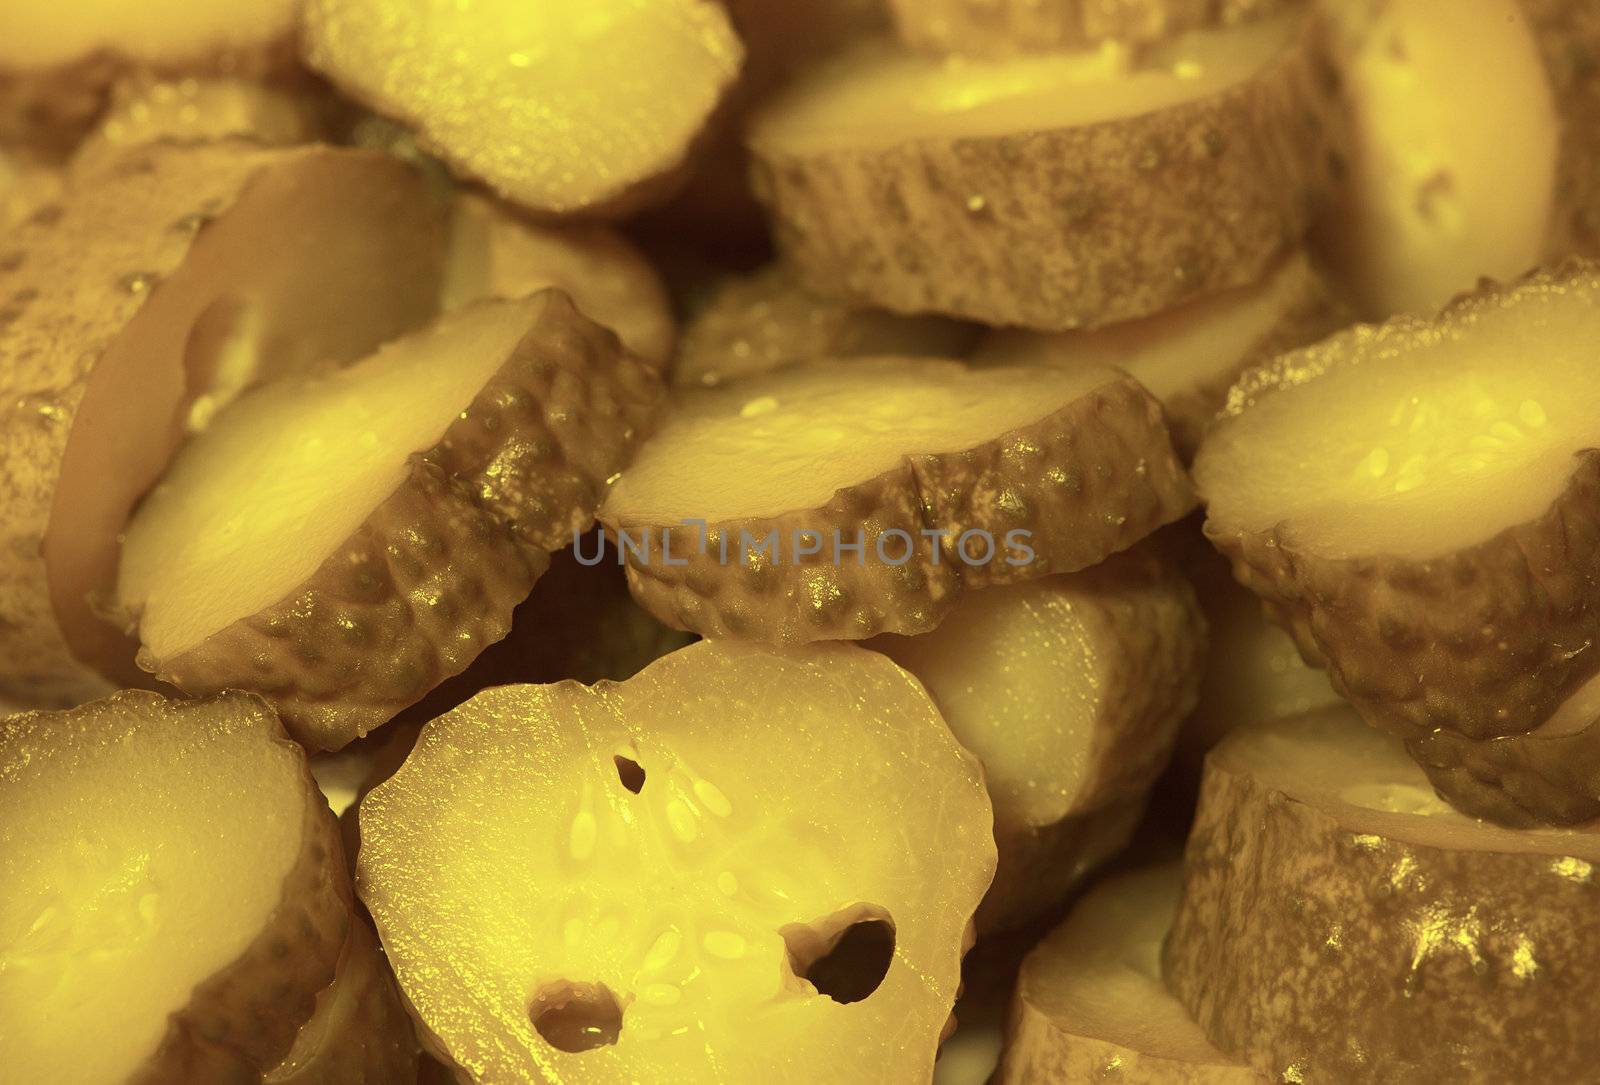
[576,1017]
[630,772]
[845,956]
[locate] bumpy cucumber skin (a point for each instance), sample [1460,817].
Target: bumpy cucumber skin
[244,1019]
[1073,227]
[41,390]
[1038,1049]
[424,585]
[431,577]
[67,302]
[1349,957]
[1089,480]
[48,111]
[1465,655]
[766,320]
[1455,653]
[1097,956]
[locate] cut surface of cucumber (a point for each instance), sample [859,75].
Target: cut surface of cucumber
[360,1033]
[496,253]
[806,432]
[1253,671]
[1323,759]
[345,541]
[560,106]
[146,110]
[647,881]
[766,320]
[1006,27]
[25,186]
[1055,191]
[1070,690]
[1090,999]
[1414,503]
[1415,438]
[1451,177]
[137,890]
[156,292]
[881,94]
[260,500]
[837,500]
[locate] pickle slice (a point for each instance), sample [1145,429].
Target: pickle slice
[342,543]
[152,295]
[1415,502]
[739,865]
[171,884]
[1341,923]
[1189,356]
[1070,690]
[1054,191]
[563,105]
[740,514]
[1090,1001]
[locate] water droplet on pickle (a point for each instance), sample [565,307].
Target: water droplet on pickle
[137,282]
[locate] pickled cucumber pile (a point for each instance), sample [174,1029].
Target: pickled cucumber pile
[617,542]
